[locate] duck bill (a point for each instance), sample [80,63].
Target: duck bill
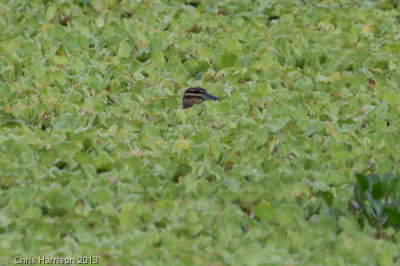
[208,96]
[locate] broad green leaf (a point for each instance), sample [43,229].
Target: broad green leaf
[127,218]
[101,195]
[151,131]
[158,58]
[124,50]
[51,12]
[378,190]
[266,212]
[228,59]
[98,5]
[362,182]
[181,145]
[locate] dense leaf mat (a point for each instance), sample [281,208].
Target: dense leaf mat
[97,156]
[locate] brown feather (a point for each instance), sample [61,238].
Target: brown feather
[189,102]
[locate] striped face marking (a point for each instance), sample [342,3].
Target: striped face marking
[194,93]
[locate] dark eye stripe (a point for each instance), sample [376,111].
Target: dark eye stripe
[193,96]
[196,91]
[191,93]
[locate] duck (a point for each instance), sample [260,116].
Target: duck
[196,95]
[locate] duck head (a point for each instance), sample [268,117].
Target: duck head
[196,95]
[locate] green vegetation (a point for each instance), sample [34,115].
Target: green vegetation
[377,200]
[98,158]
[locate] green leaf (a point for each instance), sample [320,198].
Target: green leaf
[304,84]
[388,177]
[60,60]
[127,218]
[393,215]
[327,196]
[348,226]
[158,58]
[124,50]
[151,131]
[101,195]
[98,5]
[265,212]
[157,43]
[51,12]
[59,200]
[362,182]
[373,178]
[228,59]
[181,145]
[378,190]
